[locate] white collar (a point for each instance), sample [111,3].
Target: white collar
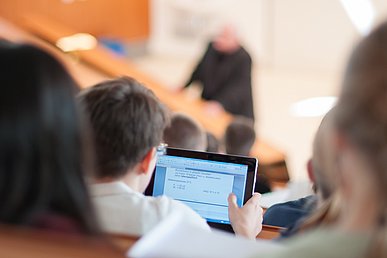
[112,188]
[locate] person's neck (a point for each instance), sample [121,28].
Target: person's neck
[130,179]
[359,223]
[361,216]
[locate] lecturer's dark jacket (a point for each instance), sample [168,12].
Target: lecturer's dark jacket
[226,78]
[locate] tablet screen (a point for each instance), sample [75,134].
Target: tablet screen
[203,181]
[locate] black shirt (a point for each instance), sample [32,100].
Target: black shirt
[226,78]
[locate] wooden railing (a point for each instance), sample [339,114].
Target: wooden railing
[18,242]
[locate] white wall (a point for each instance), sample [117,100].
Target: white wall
[299,48]
[310,34]
[201,18]
[288,34]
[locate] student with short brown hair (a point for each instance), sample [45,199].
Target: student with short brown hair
[185,133]
[240,136]
[128,123]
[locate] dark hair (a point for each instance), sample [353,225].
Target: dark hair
[361,116]
[212,143]
[127,119]
[41,146]
[239,137]
[185,133]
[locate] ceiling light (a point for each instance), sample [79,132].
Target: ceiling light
[313,107]
[76,42]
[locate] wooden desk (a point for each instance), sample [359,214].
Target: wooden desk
[21,242]
[113,66]
[269,232]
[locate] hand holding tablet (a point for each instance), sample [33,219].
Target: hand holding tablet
[247,220]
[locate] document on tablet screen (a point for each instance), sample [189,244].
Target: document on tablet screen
[204,185]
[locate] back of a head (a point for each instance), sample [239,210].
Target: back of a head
[362,118]
[239,136]
[127,120]
[41,146]
[323,160]
[362,107]
[185,133]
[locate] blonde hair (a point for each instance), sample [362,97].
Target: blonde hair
[326,214]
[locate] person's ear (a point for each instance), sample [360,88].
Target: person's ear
[148,161]
[341,150]
[339,141]
[309,169]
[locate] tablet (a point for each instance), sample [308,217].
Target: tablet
[203,181]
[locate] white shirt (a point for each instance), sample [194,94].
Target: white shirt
[120,209]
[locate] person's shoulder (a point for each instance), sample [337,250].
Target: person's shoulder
[283,207]
[326,243]
[330,243]
[168,206]
[286,214]
[243,54]
[301,203]
[210,47]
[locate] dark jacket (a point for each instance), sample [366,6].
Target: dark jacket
[290,215]
[226,78]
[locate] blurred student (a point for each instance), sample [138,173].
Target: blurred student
[238,139]
[225,74]
[293,214]
[42,144]
[240,136]
[359,144]
[128,123]
[185,133]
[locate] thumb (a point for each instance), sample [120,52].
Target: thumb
[232,200]
[255,199]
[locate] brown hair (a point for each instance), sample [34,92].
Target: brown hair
[239,136]
[127,120]
[185,133]
[362,117]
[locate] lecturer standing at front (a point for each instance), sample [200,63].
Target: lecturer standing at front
[225,74]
